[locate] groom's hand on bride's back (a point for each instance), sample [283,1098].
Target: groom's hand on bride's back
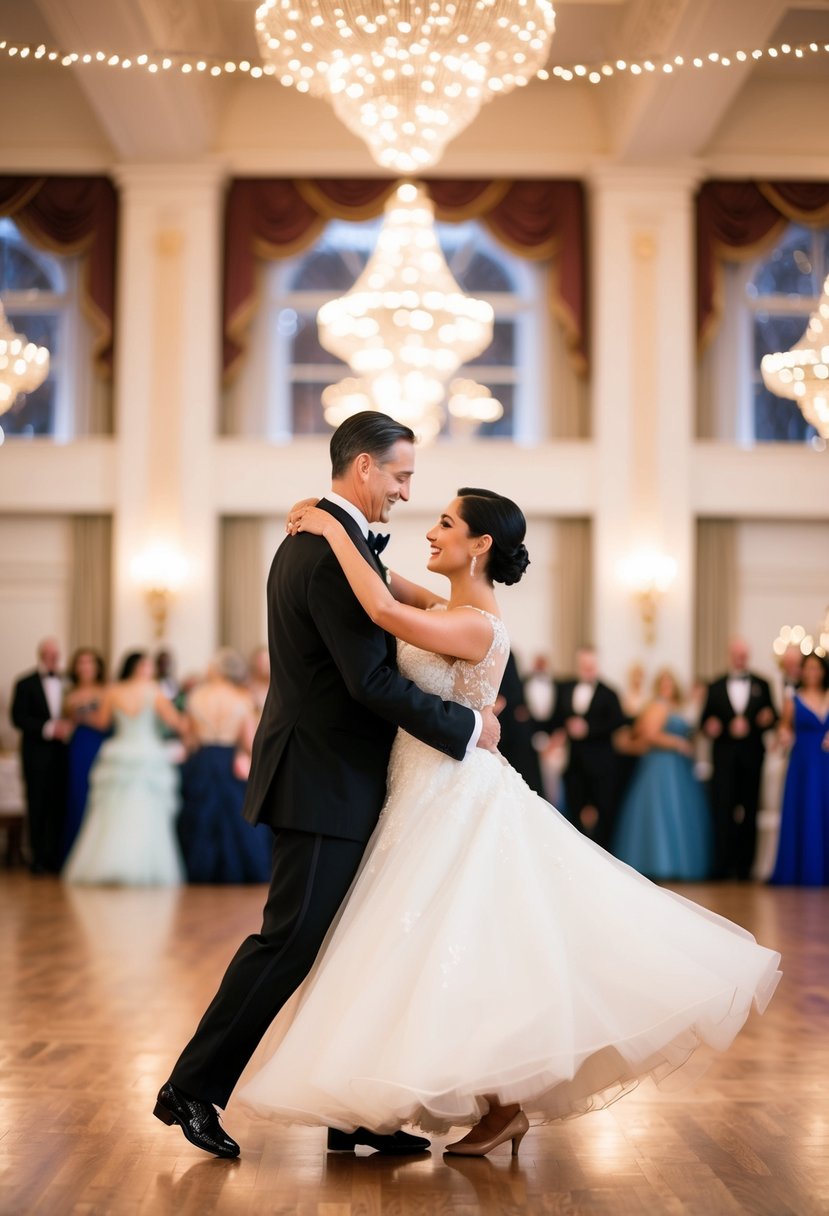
[490,731]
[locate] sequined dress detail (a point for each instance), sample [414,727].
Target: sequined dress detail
[487,946]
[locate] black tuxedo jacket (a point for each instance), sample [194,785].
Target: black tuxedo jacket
[335,699]
[718,705]
[30,713]
[603,717]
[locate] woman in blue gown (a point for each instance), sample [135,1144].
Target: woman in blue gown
[217,844]
[87,675]
[803,846]
[664,824]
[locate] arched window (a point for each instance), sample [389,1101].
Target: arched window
[766,305]
[40,296]
[277,394]
[782,292]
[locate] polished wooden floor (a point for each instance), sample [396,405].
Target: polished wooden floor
[100,988]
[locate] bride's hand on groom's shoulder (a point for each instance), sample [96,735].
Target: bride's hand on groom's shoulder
[296,511]
[311,519]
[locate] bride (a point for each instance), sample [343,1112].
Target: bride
[491,965]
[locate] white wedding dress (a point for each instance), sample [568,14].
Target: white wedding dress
[487,947]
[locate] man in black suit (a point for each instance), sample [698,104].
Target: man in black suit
[318,774]
[589,711]
[738,710]
[36,711]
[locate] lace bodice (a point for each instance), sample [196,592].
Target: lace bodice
[471,684]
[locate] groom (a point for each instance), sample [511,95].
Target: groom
[318,775]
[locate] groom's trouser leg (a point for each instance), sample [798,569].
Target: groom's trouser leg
[311,876]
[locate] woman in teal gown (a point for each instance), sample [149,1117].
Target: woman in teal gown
[664,824]
[128,835]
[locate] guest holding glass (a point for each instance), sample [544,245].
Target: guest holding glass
[87,678]
[664,826]
[803,846]
[218,845]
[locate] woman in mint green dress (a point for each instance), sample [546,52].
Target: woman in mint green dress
[664,824]
[128,835]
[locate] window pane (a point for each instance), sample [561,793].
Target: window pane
[775,333]
[42,328]
[789,269]
[777,420]
[33,414]
[503,428]
[23,268]
[479,273]
[306,409]
[501,350]
[305,347]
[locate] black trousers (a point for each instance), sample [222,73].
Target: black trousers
[310,878]
[45,769]
[735,783]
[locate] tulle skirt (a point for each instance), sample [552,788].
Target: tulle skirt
[128,834]
[488,947]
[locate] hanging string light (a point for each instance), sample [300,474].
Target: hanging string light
[596,72]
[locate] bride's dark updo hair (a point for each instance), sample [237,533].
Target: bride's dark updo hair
[486,513]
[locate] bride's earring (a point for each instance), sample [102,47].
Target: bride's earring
[472,565]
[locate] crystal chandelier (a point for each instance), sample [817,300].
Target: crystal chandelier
[405,327]
[406,75]
[23,365]
[802,373]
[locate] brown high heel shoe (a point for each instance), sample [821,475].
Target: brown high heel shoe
[515,1131]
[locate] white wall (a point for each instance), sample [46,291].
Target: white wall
[783,580]
[34,596]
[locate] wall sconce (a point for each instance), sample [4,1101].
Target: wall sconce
[160,570]
[648,574]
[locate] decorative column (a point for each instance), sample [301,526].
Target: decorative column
[643,398]
[167,392]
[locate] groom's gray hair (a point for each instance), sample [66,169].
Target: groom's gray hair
[369,431]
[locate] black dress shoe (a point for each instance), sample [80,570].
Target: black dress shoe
[397,1142]
[198,1120]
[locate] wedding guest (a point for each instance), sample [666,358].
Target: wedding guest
[37,712]
[790,663]
[539,690]
[803,846]
[128,835]
[217,844]
[738,710]
[517,727]
[87,678]
[664,825]
[634,695]
[588,711]
[165,674]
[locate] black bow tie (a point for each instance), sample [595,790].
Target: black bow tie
[50,675]
[377,543]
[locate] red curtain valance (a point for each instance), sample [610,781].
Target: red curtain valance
[276,218]
[737,221]
[69,215]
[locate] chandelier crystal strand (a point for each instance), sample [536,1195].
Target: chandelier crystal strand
[406,75]
[405,327]
[802,373]
[23,365]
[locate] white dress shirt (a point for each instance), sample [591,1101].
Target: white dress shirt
[582,697]
[738,687]
[361,521]
[53,692]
